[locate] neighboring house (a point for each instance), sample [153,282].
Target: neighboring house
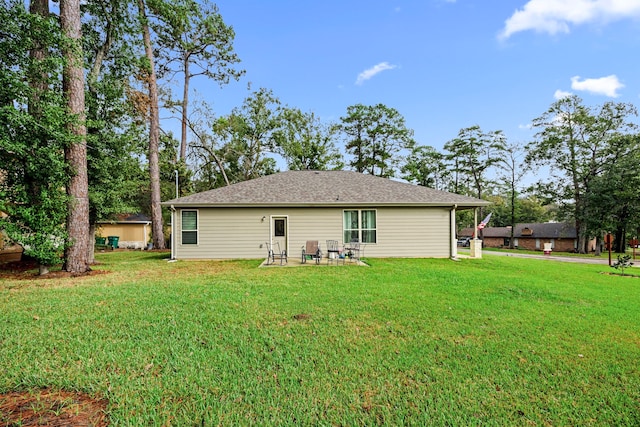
[133,231]
[391,218]
[531,236]
[9,251]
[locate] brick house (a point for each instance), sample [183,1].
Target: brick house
[531,236]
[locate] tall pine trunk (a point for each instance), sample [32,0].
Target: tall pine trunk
[39,84]
[154,134]
[185,105]
[76,152]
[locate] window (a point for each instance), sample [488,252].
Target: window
[278,226]
[189,227]
[361,225]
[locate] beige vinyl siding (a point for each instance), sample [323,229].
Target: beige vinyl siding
[241,233]
[130,235]
[411,232]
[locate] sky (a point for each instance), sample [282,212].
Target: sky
[443,64]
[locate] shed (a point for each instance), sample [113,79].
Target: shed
[133,230]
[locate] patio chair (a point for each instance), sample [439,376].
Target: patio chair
[311,250]
[272,254]
[333,252]
[352,250]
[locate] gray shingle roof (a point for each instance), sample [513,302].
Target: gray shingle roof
[322,188]
[547,230]
[541,230]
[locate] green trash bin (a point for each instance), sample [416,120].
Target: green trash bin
[101,240]
[113,241]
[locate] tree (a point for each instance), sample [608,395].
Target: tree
[193,40]
[114,134]
[472,154]
[614,198]
[33,134]
[247,134]
[426,166]
[578,143]
[76,151]
[513,170]
[375,137]
[154,130]
[208,162]
[306,143]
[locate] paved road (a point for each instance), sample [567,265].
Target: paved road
[581,260]
[603,260]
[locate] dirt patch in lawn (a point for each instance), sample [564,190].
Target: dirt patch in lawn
[52,408]
[28,270]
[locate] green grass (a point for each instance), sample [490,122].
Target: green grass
[497,341]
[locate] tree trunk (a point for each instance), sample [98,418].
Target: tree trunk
[185,104]
[620,239]
[91,247]
[154,135]
[39,84]
[76,152]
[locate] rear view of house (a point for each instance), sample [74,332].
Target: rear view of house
[389,218]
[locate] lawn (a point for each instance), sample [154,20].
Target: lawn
[497,341]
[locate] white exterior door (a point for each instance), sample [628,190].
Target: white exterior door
[279,232]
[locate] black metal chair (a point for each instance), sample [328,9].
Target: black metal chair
[352,250]
[333,252]
[272,254]
[311,250]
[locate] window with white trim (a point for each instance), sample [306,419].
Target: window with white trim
[189,227]
[359,224]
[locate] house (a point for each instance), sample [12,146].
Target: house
[391,218]
[133,231]
[532,236]
[9,251]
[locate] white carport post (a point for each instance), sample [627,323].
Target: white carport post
[475,245]
[452,231]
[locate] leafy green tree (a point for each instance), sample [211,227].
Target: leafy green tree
[306,143]
[247,134]
[375,137]
[614,198]
[193,40]
[512,170]
[472,155]
[114,133]
[528,209]
[579,143]
[33,132]
[426,166]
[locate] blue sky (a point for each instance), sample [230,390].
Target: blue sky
[443,64]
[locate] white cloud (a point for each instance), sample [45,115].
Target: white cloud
[557,16]
[378,68]
[559,94]
[607,86]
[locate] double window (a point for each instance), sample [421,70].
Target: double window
[189,227]
[359,224]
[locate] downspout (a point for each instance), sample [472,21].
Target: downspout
[453,248]
[173,232]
